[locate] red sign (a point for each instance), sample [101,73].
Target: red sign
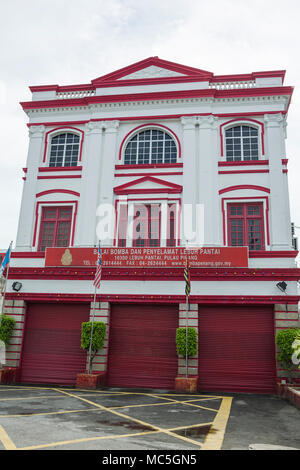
[205,257]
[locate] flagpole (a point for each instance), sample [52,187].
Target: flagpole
[91,338]
[186,335]
[4,290]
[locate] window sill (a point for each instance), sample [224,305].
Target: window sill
[244,163]
[149,165]
[60,168]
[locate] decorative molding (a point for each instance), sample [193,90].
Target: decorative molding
[51,191]
[166,187]
[94,127]
[36,132]
[244,186]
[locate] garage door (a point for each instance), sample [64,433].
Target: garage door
[142,348]
[236,349]
[51,349]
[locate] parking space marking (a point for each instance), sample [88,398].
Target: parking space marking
[213,440]
[6,440]
[216,434]
[143,423]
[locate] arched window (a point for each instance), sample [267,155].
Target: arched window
[64,150]
[241,143]
[150,146]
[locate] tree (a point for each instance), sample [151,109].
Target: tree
[98,338]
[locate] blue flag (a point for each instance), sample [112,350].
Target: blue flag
[5,261]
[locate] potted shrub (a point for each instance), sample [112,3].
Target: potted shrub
[88,379]
[7,374]
[285,340]
[186,346]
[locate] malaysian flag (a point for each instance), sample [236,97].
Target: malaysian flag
[97,279]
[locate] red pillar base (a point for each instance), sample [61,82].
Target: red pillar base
[183,384]
[90,381]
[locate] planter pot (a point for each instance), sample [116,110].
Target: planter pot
[183,384]
[90,381]
[9,375]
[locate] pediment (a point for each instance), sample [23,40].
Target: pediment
[148,185]
[152,68]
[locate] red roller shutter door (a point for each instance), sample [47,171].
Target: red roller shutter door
[51,349]
[142,349]
[236,349]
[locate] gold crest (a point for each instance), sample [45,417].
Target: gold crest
[66,258]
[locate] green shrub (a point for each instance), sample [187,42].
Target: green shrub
[99,334]
[192,341]
[284,340]
[6,328]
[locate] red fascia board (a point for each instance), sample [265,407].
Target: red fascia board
[151,81]
[57,88]
[208,93]
[39,88]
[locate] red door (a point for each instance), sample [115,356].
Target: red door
[51,348]
[142,348]
[236,349]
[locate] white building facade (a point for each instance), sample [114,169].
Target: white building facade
[148,144]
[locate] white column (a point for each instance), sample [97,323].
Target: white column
[208,179]
[106,196]
[27,211]
[280,227]
[189,177]
[86,222]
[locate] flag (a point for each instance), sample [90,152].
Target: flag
[97,279]
[5,261]
[187,278]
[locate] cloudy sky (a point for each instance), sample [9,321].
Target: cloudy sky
[69,41]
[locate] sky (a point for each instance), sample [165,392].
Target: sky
[71,42]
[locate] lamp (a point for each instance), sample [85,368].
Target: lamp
[17,286]
[282,286]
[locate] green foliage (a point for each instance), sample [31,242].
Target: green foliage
[284,340]
[99,333]
[6,328]
[192,341]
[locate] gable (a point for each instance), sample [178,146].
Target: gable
[148,185]
[152,68]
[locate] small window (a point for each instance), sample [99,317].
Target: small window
[241,143]
[64,150]
[55,227]
[245,226]
[151,146]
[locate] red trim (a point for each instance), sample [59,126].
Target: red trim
[28,254]
[205,299]
[166,95]
[243,120]
[52,177]
[244,163]
[25,170]
[152,61]
[168,187]
[284,161]
[51,191]
[273,254]
[245,217]
[285,170]
[151,124]
[149,174]
[63,128]
[241,171]
[60,168]
[244,186]
[146,166]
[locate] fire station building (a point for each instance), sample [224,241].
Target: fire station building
[150,140]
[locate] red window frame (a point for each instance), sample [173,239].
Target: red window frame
[244,220]
[55,223]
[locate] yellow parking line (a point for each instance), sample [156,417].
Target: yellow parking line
[188,402]
[215,436]
[30,398]
[6,440]
[47,413]
[143,423]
